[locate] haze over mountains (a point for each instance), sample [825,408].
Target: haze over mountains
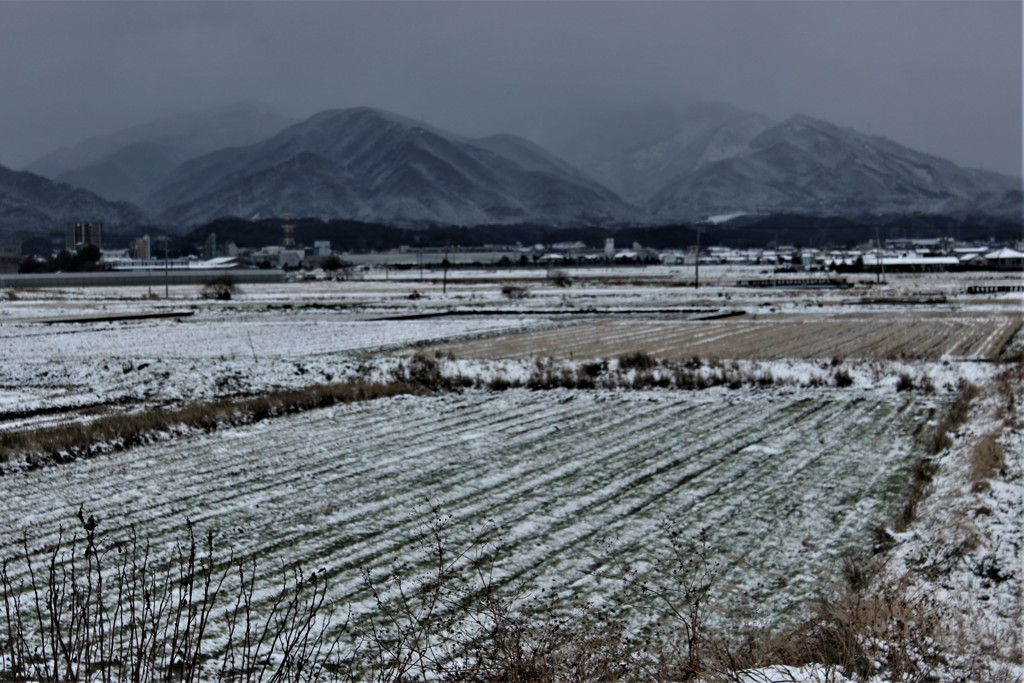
[128,163]
[369,164]
[805,165]
[31,204]
[653,166]
[637,152]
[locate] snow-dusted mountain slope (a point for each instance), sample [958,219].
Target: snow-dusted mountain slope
[369,164]
[30,203]
[641,166]
[128,163]
[684,163]
[639,152]
[129,173]
[806,165]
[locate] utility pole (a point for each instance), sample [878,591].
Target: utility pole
[696,262]
[444,279]
[167,272]
[879,266]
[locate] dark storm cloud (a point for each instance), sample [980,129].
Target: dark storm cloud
[943,77]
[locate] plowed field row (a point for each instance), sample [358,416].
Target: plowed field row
[930,338]
[579,484]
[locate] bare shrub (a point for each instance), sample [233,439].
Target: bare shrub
[112,610]
[864,633]
[907,382]
[1007,384]
[940,439]
[425,371]
[637,360]
[593,369]
[560,278]
[904,382]
[500,384]
[515,292]
[956,415]
[683,579]
[547,375]
[960,410]
[921,476]
[687,378]
[858,572]
[103,609]
[221,288]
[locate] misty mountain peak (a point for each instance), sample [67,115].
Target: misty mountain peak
[128,163]
[807,165]
[386,166]
[32,203]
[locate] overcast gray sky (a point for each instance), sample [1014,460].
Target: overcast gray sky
[941,76]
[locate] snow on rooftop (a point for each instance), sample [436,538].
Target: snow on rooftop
[218,262]
[1003,254]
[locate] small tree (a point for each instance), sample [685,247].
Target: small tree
[560,278]
[89,255]
[221,288]
[332,263]
[515,291]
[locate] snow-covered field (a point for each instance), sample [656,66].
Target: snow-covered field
[292,335]
[52,372]
[580,484]
[787,479]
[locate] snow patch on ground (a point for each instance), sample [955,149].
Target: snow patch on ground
[966,548]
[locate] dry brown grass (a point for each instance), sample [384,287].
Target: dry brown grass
[955,417]
[987,457]
[919,335]
[116,432]
[859,632]
[1009,384]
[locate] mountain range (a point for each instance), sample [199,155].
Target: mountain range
[368,164]
[128,163]
[637,152]
[32,204]
[650,167]
[810,166]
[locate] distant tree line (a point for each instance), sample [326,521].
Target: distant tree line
[85,259]
[745,232]
[355,236]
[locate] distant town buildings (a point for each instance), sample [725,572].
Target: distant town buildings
[77,235]
[279,257]
[142,249]
[210,246]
